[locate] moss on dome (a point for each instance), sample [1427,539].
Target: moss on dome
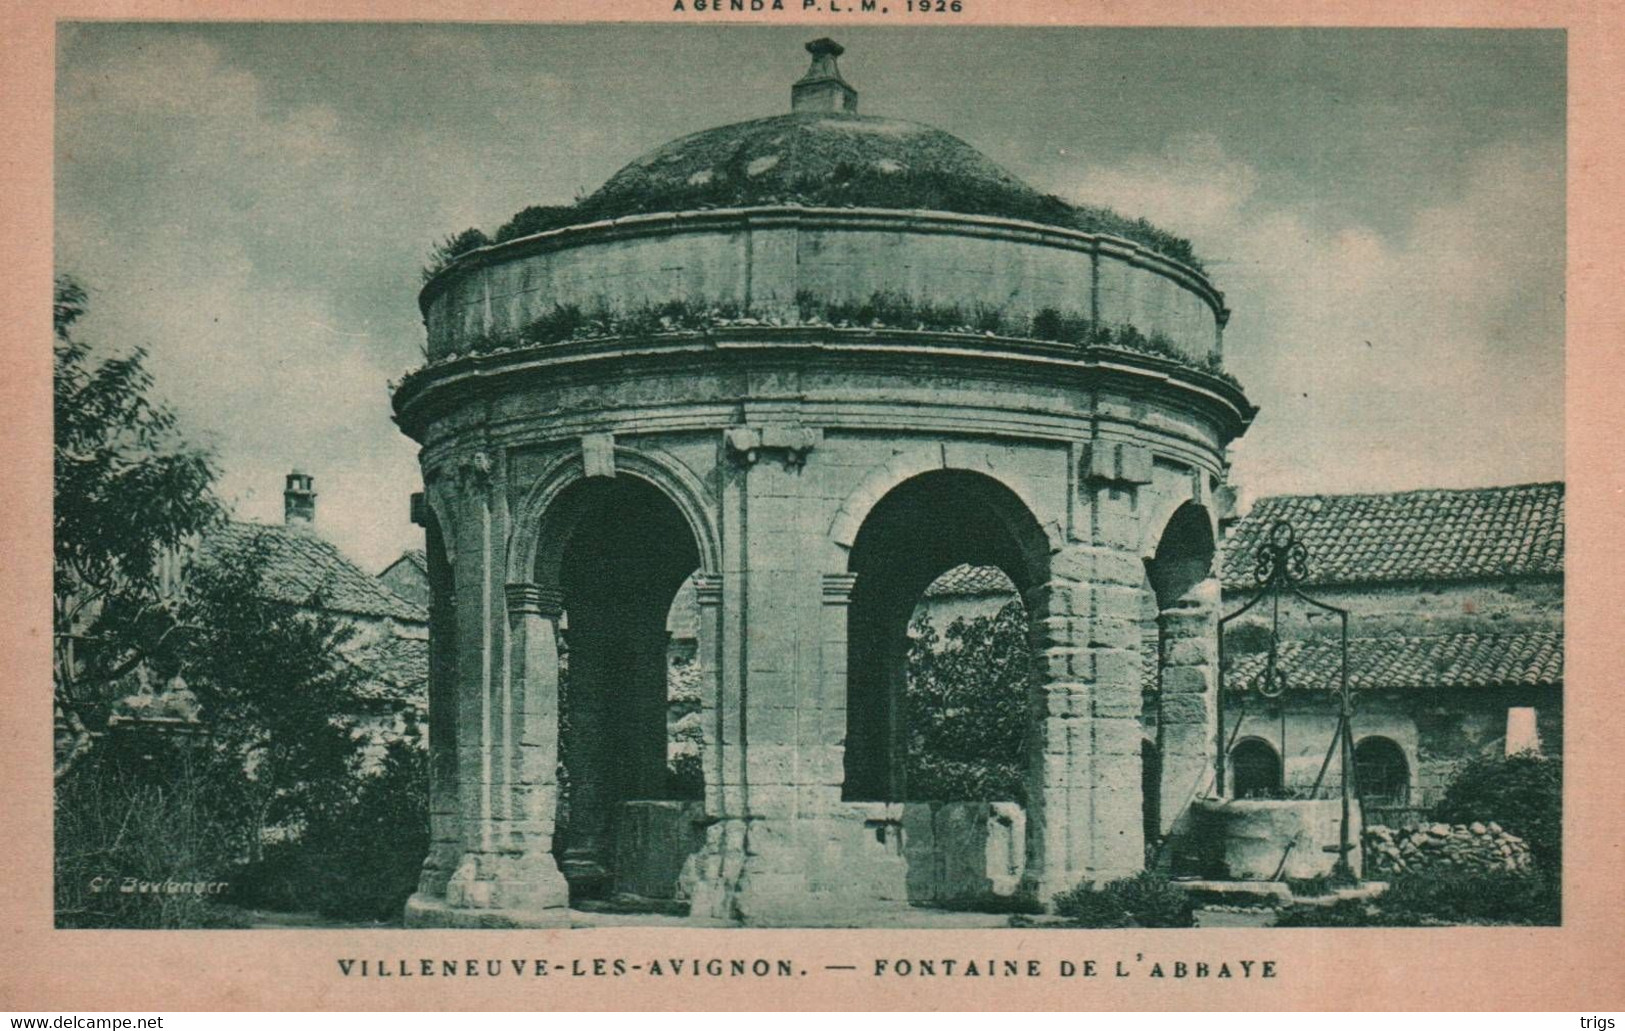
[821,159]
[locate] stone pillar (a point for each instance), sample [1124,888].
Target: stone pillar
[1085,818]
[1188,632]
[530,880]
[822,733]
[770,638]
[504,875]
[445,823]
[587,835]
[721,860]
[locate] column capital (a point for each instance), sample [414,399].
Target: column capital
[708,589]
[838,588]
[534,599]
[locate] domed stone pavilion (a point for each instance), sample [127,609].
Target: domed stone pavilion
[796,369]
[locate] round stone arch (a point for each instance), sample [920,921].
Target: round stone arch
[607,734]
[529,557]
[434,497]
[1178,550]
[880,481]
[929,522]
[1385,750]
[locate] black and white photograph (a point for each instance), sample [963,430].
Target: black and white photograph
[721,476]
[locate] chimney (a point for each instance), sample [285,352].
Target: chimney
[822,88]
[299,501]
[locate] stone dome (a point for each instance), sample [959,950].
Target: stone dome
[823,157]
[823,154]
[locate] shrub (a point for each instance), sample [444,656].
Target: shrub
[1440,897]
[1147,899]
[358,860]
[1523,793]
[452,248]
[1463,896]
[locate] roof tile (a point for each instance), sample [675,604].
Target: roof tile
[1422,535]
[302,565]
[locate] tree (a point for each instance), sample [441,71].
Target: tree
[144,592]
[129,492]
[966,706]
[273,685]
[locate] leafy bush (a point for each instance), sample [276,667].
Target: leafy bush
[358,860]
[451,248]
[1147,899]
[1523,793]
[1460,896]
[966,707]
[1441,897]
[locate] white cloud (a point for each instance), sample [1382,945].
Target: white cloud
[1430,357]
[219,257]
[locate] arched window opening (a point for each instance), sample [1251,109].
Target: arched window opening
[1381,773]
[941,700]
[1256,770]
[619,550]
[1184,556]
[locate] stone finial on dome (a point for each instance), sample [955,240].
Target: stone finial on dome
[822,88]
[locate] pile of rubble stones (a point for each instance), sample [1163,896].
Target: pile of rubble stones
[1429,846]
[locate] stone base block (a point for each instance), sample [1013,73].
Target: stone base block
[429,911]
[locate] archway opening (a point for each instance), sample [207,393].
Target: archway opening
[1184,555]
[618,550]
[927,526]
[1255,770]
[1381,774]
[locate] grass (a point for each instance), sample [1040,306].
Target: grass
[881,310]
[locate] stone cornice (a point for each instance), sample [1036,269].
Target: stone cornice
[414,399]
[788,216]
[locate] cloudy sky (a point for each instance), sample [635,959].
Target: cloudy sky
[1384,210]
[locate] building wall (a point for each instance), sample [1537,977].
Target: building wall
[1484,606]
[1436,730]
[765,257]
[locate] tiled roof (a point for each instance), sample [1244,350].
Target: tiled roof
[1422,535]
[397,668]
[1531,658]
[301,564]
[965,581]
[417,557]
